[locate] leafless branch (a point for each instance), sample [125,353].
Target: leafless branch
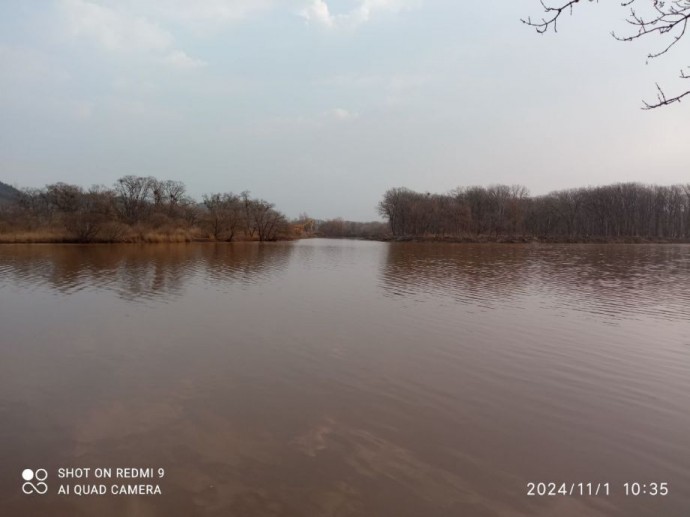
[662,99]
[553,14]
[664,17]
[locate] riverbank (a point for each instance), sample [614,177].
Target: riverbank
[142,235]
[484,239]
[128,237]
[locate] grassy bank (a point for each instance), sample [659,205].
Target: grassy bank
[137,209]
[479,239]
[141,236]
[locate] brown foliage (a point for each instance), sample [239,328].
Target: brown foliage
[622,211]
[136,209]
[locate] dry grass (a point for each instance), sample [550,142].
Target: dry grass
[157,236]
[124,234]
[36,236]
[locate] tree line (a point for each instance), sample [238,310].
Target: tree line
[339,228]
[137,208]
[612,212]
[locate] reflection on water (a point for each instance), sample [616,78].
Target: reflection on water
[343,378]
[140,272]
[596,279]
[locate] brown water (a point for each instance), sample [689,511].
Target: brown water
[340,378]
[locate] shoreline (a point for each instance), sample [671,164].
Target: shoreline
[155,238]
[6,239]
[516,240]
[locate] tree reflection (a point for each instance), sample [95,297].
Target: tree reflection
[140,271]
[615,280]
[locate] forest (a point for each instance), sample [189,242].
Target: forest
[625,212]
[145,209]
[339,228]
[135,209]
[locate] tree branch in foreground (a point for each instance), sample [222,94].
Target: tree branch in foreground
[664,18]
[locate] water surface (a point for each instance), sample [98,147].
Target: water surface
[344,378]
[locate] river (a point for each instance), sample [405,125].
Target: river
[347,378]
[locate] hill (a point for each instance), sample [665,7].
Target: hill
[7,193]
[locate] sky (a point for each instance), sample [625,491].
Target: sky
[320,106]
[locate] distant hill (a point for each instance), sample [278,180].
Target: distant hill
[7,193]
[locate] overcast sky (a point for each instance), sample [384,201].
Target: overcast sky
[320,106]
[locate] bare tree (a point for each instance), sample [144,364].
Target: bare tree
[266,221]
[94,211]
[134,193]
[248,208]
[64,197]
[139,208]
[225,214]
[167,196]
[611,212]
[36,208]
[665,18]
[396,207]
[353,229]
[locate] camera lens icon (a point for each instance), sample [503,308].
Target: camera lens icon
[39,487]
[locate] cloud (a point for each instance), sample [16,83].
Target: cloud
[113,30]
[180,59]
[318,12]
[206,12]
[368,8]
[138,25]
[343,114]
[118,31]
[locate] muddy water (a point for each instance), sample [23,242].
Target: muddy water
[341,378]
